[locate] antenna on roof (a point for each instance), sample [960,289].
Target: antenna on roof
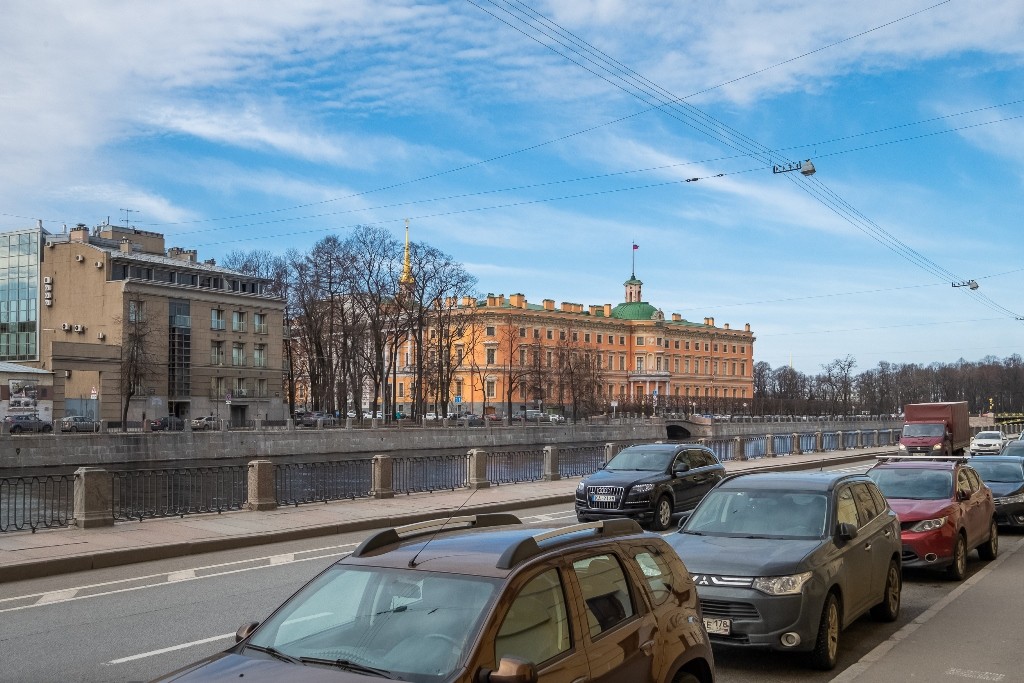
[412,562]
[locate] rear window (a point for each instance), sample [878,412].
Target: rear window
[913,484]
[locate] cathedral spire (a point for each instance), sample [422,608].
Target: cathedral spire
[406,281]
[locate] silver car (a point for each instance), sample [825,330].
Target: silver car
[79,423]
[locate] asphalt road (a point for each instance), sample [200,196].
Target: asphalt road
[135,622]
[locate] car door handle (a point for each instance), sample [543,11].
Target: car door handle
[867,546]
[647,648]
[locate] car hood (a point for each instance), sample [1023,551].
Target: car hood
[986,442]
[225,667]
[730,556]
[623,477]
[915,510]
[1002,488]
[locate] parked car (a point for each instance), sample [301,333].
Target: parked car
[945,512]
[1012,448]
[206,422]
[317,418]
[1004,474]
[16,424]
[483,599]
[469,420]
[987,443]
[167,423]
[79,423]
[649,483]
[787,560]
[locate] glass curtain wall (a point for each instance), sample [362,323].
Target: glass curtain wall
[19,295]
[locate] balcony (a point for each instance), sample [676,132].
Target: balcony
[217,325]
[237,362]
[217,359]
[181,321]
[238,326]
[260,328]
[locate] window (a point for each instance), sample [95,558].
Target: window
[491,354]
[622,361]
[676,343]
[551,333]
[866,506]
[687,345]
[561,335]
[716,348]
[259,355]
[639,363]
[238,321]
[489,387]
[536,626]
[622,341]
[217,353]
[639,341]
[605,592]
[136,312]
[846,508]
[260,323]
[458,387]
[216,319]
[238,354]
[599,338]
[490,331]
[522,332]
[675,363]
[522,357]
[458,356]
[261,388]
[658,575]
[658,342]
[536,333]
[401,390]
[657,364]
[706,345]
[549,358]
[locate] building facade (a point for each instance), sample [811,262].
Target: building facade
[634,358]
[211,337]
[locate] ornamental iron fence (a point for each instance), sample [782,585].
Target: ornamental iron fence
[142,494]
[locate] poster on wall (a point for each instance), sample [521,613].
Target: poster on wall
[24,395]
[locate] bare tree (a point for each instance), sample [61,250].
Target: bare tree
[138,360]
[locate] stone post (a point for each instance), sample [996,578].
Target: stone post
[551,454]
[383,477]
[609,452]
[224,424]
[796,444]
[478,470]
[874,438]
[840,444]
[93,498]
[769,445]
[737,448]
[259,424]
[860,439]
[348,423]
[819,443]
[290,424]
[261,486]
[103,427]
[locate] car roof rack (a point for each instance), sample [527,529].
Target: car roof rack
[530,546]
[388,537]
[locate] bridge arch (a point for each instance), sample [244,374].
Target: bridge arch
[678,432]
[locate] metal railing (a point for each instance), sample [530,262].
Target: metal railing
[36,502]
[429,473]
[141,494]
[579,461]
[319,482]
[510,467]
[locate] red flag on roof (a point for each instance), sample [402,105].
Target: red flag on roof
[635,246]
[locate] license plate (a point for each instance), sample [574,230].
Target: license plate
[604,498]
[720,627]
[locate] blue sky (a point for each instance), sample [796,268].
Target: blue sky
[267,125]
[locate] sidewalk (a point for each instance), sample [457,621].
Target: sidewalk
[25,555]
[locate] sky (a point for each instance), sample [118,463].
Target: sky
[537,142]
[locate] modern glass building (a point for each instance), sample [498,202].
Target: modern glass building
[19,295]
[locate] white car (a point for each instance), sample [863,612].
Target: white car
[987,443]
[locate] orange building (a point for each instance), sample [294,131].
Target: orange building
[634,358]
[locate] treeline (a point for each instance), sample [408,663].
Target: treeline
[987,385]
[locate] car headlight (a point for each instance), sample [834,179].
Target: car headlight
[902,447]
[1006,500]
[581,487]
[929,524]
[642,488]
[781,585]
[937,447]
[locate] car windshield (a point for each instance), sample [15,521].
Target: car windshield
[992,436]
[642,459]
[913,484]
[1014,448]
[768,514]
[924,430]
[998,472]
[413,625]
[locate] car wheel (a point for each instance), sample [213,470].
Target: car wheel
[47,429]
[957,571]
[889,608]
[73,429]
[826,645]
[685,677]
[989,549]
[662,514]
[15,430]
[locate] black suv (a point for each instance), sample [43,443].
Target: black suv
[480,600]
[649,483]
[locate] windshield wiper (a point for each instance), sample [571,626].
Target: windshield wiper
[349,665]
[275,653]
[695,533]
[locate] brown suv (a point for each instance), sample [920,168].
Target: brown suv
[484,599]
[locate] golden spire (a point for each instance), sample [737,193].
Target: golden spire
[407,281]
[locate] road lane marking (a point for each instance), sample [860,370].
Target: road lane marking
[57,596]
[172,648]
[976,675]
[184,575]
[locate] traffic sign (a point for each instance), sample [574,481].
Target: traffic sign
[458,399]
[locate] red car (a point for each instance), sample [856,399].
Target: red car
[945,511]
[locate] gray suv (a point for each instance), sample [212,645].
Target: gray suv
[787,560]
[16,424]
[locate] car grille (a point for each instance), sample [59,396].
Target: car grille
[723,609]
[604,491]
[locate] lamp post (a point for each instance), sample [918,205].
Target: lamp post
[970,284]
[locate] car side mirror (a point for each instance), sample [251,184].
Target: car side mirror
[512,670]
[245,630]
[963,495]
[846,531]
[685,516]
[681,468]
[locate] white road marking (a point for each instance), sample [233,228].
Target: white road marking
[172,648]
[185,575]
[56,596]
[282,559]
[976,675]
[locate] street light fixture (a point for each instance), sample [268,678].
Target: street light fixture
[972,284]
[805,167]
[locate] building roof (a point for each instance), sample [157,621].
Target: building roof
[634,310]
[13,368]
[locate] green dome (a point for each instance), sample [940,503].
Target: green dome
[634,310]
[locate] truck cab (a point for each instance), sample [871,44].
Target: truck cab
[926,438]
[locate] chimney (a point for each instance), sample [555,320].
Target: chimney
[39,223]
[80,233]
[725,326]
[549,304]
[746,328]
[126,245]
[607,310]
[517,300]
[491,300]
[594,310]
[676,317]
[566,307]
[468,302]
[501,301]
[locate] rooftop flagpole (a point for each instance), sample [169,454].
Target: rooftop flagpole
[635,247]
